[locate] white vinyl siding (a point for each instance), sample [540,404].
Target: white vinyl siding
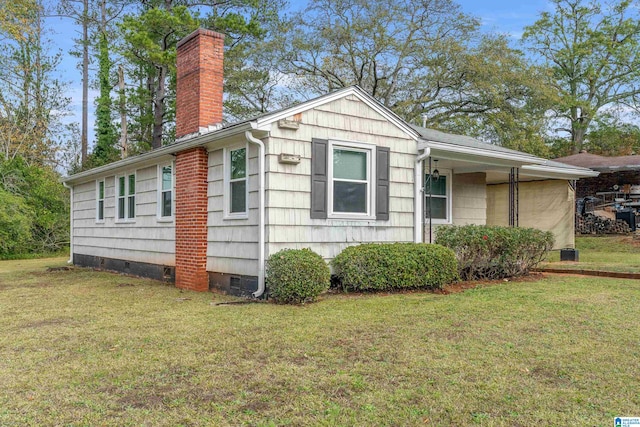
[145,240]
[289,185]
[232,240]
[469,198]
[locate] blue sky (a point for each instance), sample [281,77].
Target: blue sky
[503,16]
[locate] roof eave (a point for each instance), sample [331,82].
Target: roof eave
[171,149]
[518,159]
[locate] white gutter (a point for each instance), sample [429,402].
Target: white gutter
[261,210]
[70,261]
[417,195]
[550,171]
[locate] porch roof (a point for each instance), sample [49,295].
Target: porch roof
[464,154]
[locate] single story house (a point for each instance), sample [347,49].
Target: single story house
[617,174]
[338,170]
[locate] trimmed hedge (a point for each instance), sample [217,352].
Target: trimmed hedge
[493,252]
[296,276]
[389,266]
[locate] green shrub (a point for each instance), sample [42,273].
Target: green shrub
[492,252]
[389,266]
[15,224]
[34,209]
[296,276]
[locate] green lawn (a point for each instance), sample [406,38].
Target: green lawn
[85,348]
[606,253]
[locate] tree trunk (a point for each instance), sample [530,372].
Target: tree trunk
[578,131]
[84,144]
[158,110]
[123,114]
[578,140]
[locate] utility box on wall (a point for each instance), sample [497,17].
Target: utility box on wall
[569,254]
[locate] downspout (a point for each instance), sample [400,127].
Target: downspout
[70,261]
[261,210]
[418,191]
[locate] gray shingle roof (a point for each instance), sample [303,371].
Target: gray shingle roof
[462,140]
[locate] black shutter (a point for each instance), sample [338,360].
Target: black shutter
[382,183]
[319,178]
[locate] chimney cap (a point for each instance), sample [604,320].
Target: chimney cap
[200,32]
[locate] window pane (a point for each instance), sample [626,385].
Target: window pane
[121,186]
[166,178]
[438,187]
[132,207]
[121,208]
[438,207]
[101,190]
[238,163]
[349,197]
[166,203]
[132,184]
[238,196]
[101,209]
[349,164]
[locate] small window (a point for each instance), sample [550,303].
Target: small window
[126,196]
[438,200]
[165,192]
[236,177]
[350,184]
[100,201]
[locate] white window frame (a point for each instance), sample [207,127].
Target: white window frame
[126,197]
[227,182]
[98,199]
[370,150]
[170,217]
[449,220]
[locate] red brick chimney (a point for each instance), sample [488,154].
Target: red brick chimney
[199,81]
[198,106]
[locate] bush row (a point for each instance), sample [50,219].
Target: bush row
[383,267]
[298,276]
[470,252]
[493,252]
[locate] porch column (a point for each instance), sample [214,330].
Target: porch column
[514,199]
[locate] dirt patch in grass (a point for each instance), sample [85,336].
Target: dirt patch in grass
[53,269]
[550,376]
[47,322]
[142,399]
[458,287]
[38,285]
[452,288]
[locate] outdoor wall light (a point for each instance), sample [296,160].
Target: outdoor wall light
[436,173]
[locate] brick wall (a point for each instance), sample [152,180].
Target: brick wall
[191,219]
[199,81]
[605,182]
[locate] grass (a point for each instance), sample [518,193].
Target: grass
[606,253]
[86,348]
